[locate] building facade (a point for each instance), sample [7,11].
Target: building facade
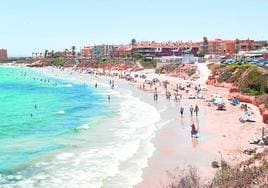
[221,47]
[101,51]
[3,54]
[86,52]
[155,50]
[121,51]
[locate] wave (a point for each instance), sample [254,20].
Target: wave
[68,85]
[85,126]
[60,112]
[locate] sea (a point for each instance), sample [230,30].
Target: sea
[58,132]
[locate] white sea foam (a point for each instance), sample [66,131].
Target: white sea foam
[60,112]
[68,85]
[85,126]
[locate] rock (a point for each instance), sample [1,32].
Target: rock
[215,164]
[233,89]
[265,116]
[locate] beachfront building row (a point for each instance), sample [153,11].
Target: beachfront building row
[3,54]
[156,50]
[217,47]
[98,52]
[153,49]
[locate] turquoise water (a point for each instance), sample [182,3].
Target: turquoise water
[38,113]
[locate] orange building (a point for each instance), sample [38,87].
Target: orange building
[247,45]
[219,46]
[3,54]
[86,52]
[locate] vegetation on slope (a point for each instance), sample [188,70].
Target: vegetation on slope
[249,78]
[250,173]
[148,63]
[58,62]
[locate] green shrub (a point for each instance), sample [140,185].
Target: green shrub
[190,72]
[58,62]
[225,76]
[254,83]
[148,64]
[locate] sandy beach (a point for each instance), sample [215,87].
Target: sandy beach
[221,133]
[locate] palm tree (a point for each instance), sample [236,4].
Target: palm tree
[32,54]
[36,54]
[133,43]
[65,52]
[73,51]
[52,53]
[237,45]
[205,45]
[46,52]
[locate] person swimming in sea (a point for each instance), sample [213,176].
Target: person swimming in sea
[109,98]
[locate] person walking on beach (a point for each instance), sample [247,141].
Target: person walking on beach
[112,84]
[181,111]
[193,131]
[196,109]
[191,110]
[155,96]
[175,97]
[96,85]
[109,98]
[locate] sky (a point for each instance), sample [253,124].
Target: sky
[28,26]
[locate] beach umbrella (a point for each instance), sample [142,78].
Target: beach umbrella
[218,101]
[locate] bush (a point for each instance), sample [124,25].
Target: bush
[148,64]
[58,62]
[225,76]
[254,83]
[190,72]
[184,178]
[157,71]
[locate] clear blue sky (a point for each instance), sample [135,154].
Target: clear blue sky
[35,25]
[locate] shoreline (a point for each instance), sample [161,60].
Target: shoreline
[173,144]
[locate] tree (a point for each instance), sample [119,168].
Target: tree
[52,53]
[237,45]
[205,45]
[65,52]
[133,42]
[46,52]
[73,51]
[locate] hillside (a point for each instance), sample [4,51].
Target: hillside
[247,78]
